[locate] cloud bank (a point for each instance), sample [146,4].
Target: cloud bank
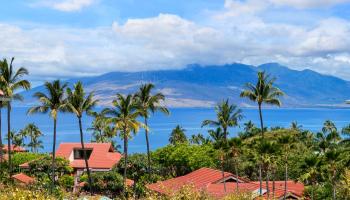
[237,33]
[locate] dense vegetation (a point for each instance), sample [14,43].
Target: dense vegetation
[320,160]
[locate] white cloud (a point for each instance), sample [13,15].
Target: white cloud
[303,4]
[170,41]
[66,5]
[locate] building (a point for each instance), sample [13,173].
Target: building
[211,181]
[101,156]
[23,179]
[13,148]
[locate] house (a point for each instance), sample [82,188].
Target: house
[13,148]
[211,181]
[23,179]
[101,156]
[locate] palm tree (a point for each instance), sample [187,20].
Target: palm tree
[78,103]
[100,126]
[216,135]
[33,132]
[286,141]
[148,104]
[310,168]
[227,116]
[267,150]
[263,91]
[53,102]
[1,106]
[124,116]
[329,136]
[295,126]
[177,136]
[334,160]
[198,139]
[11,81]
[236,148]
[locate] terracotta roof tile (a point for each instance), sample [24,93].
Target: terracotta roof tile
[23,178]
[209,180]
[103,155]
[14,148]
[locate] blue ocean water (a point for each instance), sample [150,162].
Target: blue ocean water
[160,125]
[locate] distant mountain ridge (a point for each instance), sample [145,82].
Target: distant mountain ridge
[203,86]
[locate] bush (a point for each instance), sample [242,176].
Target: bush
[23,157]
[108,183]
[41,168]
[66,181]
[184,158]
[14,193]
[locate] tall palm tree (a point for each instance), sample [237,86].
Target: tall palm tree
[263,91]
[177,136]
[78,103]
[148,104]
[124,116]
[12,81]
[53,102]
[227,116]
[334,160]
[286,141]
[236,149]
[310,168]
[33,132]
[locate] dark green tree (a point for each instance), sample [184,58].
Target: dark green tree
[53,102]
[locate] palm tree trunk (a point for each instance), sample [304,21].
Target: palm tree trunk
[267,184]
[285,182]
[223,174]
[273,184]
[260,179]
[236,171]
[225,134]
[148,148]
[9,137]
[312,191]
[261,122]
[53,155]
[84,152]
[1,145]
[31,140]
[125,160]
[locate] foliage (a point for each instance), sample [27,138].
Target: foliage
[23,157]
[177,160]
[16,193]
[66,181]
[177,136]
[41,167]
[109,183]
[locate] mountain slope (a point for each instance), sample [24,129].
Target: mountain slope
[203,86]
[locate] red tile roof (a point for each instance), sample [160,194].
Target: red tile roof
[14,148]
[210,181]
[129,182]
[200,178]
[22,178]
[103,155]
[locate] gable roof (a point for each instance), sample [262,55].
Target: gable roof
[102,156]
[14,148]
[22,178]
[210,181]
[200,179]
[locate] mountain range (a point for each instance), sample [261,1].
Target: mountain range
[204,86]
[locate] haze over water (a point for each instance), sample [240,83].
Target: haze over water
[189,118]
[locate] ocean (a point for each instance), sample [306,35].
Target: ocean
[160,125]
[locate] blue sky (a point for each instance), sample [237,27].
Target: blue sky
[66,38]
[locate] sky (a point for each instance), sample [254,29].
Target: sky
[73,38]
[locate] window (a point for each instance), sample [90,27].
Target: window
[79,153]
